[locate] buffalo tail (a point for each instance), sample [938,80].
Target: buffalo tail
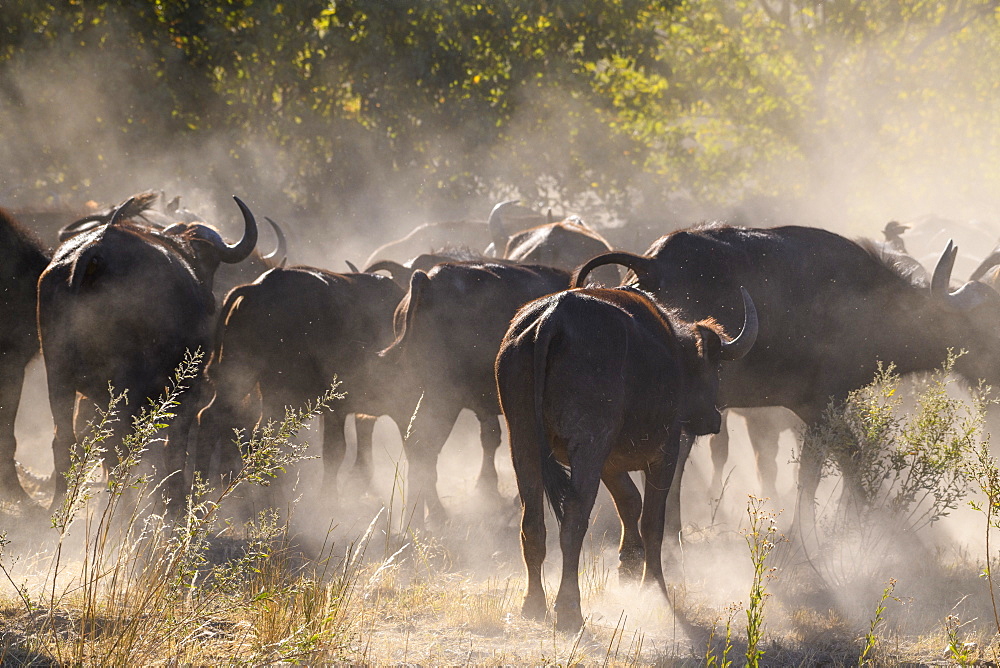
[555,477]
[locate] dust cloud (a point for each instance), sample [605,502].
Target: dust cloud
[68,109]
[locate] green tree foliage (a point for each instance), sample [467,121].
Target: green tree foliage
[806,98]
[449,99]
[586,105]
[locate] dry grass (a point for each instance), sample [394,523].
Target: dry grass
[392,598]
[354,585]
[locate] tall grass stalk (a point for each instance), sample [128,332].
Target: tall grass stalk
[712,659]
[962,653]
[760,536]
[871,638]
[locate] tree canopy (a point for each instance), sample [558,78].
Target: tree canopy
[376,107]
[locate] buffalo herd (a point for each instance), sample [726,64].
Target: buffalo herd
[520,317]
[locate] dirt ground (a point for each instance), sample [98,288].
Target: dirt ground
[452,595]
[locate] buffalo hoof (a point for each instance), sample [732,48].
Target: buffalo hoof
[359,483]
[569,620]
[35,513]
[486,490]
[14,494]
[26,509]
[438,520]
[534,608]
[630,565]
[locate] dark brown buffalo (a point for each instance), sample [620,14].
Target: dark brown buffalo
[565,244]
[23,258]
[123,303]
[830,310]
[602,382]
[448,331]
[765,425]
[138,210]
[470,235]
[401,272]
[286,336]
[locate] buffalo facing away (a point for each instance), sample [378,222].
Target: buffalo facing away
[603,382]
[22,261]
[448,329]
[123,303]
[565,243]
[285,336]
[830,311]
[139,211]
[465,235]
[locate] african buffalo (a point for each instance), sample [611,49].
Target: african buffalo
[830,310]
[448,330]
[286,336]
[471,235]
[139,211]
[565,244]
[764,426]
[402,272]
[123,303]
[23,258]
[602,382]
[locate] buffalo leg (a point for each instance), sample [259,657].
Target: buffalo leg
[628,502]
[660,478]
[765,430]
[811,460]
[528,472]
[11,382]
[175,452]
[364,427]
[208,446]
[432,424]
[673,511]
[719,445]
[334,449]
[489,437]
[62,400]
[585,479]
[525,453]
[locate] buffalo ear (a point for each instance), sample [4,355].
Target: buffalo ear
[710,343]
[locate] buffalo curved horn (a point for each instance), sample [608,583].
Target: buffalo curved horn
[736,348]
[968,297]
[641,265]
[992,260]
[942,271]
[117,215]
[400,274]
[82,225]
[240,250]
[173,205]
[498,231]
[281,250]
[350,265]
